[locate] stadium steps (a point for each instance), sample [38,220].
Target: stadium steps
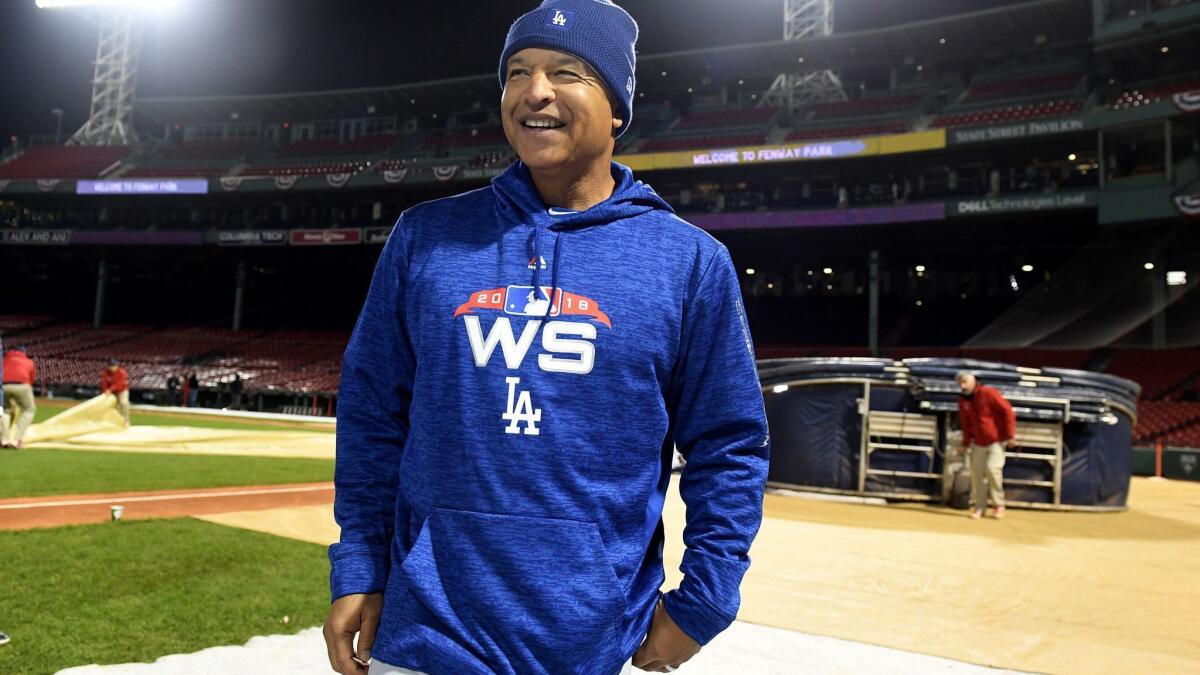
[777,135]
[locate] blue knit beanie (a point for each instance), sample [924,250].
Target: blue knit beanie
[597,31]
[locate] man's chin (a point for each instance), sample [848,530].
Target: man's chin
[543,161]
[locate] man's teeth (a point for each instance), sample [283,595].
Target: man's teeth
[543,124]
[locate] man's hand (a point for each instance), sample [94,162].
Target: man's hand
[350,614]
[1010,443]
[962,449]
[666,646]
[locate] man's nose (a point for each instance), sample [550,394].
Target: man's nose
[540,89]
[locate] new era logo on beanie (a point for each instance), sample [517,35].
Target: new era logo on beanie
[597,31]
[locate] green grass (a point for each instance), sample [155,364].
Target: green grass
[138,590]
[39,472]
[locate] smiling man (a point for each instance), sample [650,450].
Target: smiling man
[527,358]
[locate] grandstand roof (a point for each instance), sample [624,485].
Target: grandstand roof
[976,33]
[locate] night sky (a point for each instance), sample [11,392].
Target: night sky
[209,47]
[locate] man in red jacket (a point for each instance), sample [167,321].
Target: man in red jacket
[988,427]
[115,380]
[18,373]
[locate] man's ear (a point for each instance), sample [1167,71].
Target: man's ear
[617,123]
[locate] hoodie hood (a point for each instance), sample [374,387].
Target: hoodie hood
[518,203]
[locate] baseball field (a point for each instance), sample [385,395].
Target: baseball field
[79,589]
[215,548]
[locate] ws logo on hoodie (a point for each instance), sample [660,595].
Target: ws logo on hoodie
[567,344]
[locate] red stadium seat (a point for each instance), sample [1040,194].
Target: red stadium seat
[64,162]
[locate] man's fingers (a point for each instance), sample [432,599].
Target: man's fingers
[366,634]
[340,645]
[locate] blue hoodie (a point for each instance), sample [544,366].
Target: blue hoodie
[503,456]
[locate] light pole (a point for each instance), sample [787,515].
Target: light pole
[58,114]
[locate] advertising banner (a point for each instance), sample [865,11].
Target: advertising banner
[1011,131]
[143,186]
[326,237]
[376,235]
[789,152]
[252,237]
[1015,204]
[37,237]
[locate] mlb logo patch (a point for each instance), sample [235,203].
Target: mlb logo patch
[562,19]
[523,301]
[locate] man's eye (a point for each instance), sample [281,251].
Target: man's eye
[516,71]
[568,73]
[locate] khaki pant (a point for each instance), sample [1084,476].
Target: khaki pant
[987,475]
[123,404]
[19,409]
[378,667]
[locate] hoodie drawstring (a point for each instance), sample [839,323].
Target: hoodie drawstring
[537,266]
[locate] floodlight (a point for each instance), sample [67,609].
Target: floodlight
[107,4]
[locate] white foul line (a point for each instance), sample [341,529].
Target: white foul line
[159,498]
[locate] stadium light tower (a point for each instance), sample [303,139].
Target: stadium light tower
[804,20]
[111,119]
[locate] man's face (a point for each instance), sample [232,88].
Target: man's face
[556,111]
[966,384]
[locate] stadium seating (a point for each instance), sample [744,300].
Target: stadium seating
[862,107]
[14,323]
[63,162]
[726,118]
[847,132]
[175,171]
[1187,436]
[306,169]
[1159,372]
[1145,95]
[192,150]
[692,142]
[1163,420]
[331,147]
[1019,112]
[476,137]
[1022,86]
[491,158]
[74,354]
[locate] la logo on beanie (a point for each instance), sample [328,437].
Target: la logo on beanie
[561,19]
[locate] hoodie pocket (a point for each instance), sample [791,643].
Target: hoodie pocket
[527,594]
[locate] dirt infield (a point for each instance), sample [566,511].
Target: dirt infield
[1038,591]
[24,512]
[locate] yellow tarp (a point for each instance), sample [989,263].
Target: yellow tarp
[91,416]
[96,425]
